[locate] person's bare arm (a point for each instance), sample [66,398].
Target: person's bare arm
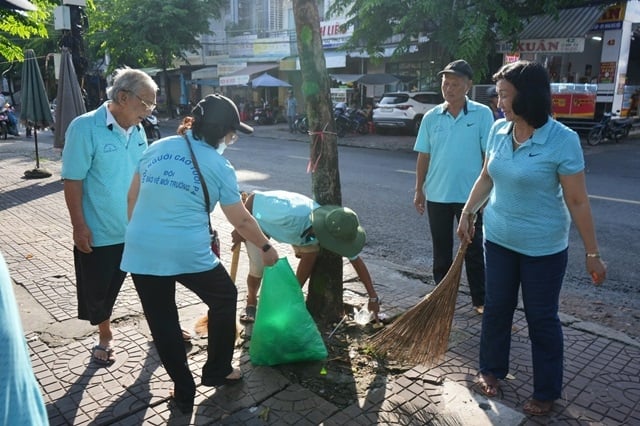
[132,195]
[422,167]
[575,196]
[246,225]
[73,198]
[477,199]
[365,277]
[305,266]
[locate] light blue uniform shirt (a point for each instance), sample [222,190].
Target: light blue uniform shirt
[284,216]
[526,210]
[105,160]
[456,147]
[169,232]
[20,399]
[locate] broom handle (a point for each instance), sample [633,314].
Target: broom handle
[234,262]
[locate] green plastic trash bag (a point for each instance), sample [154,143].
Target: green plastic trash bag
[284,331]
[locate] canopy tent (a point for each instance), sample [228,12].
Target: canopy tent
[243,76]
[35,109]
[267,80]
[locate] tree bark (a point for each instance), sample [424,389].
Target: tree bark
[324,299]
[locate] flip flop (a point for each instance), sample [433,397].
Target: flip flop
[488,385]
[109,351]
[533,407]
[249,315]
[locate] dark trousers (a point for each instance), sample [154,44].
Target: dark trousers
[217,291]
[441,223]
[541,280]
[98,281]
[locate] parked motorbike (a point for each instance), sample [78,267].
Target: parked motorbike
[609,128]
[350,120]
[301,123]
[8,123]
[151,128]
[264,115]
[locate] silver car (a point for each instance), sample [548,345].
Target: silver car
[403,110]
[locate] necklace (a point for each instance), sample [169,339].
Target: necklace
[513,137]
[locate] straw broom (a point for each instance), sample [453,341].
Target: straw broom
[421,335]
[202,323]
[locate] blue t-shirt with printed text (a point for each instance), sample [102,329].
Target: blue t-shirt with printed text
[456,148]
[168,233]
[526,211]
[104,159]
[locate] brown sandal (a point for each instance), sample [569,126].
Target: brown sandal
[533,407]
[489,385]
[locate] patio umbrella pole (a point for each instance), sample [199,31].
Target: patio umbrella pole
[36,173]
[35,107]
[35,140]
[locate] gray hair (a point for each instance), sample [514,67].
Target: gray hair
[129,80]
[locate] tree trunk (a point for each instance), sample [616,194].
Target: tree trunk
[324,299]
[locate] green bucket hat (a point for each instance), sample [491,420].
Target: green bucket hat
[338,230]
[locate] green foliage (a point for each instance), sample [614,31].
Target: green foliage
[467,29]
[18,27]
[140,33]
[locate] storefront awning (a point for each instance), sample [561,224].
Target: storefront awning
[346,78]
[242,77]
[575,22]
[205,73]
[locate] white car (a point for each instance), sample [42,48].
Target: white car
[403,110]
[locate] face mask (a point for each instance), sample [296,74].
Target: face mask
[221,147]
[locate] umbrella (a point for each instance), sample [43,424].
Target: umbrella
[35,108]
[267,80]
[69,103]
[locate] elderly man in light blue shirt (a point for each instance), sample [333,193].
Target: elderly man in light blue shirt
[102,150]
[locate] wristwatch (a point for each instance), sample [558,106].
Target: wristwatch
[266,247]
[374,300]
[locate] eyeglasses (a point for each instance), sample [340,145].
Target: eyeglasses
[149,106]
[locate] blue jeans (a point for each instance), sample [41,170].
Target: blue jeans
[541,280]
[441,220]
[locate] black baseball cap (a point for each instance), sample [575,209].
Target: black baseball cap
[459,67]
[218,109]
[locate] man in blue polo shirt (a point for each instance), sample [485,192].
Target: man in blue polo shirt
[101,153]
[451,143]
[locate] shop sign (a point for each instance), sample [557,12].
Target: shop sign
[573,105]
[234,80]
[550,45]
[332,33]
[607,72]
[611,18]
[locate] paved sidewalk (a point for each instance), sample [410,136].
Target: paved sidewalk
[602,372]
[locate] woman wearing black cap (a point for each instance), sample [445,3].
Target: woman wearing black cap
[168,239]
